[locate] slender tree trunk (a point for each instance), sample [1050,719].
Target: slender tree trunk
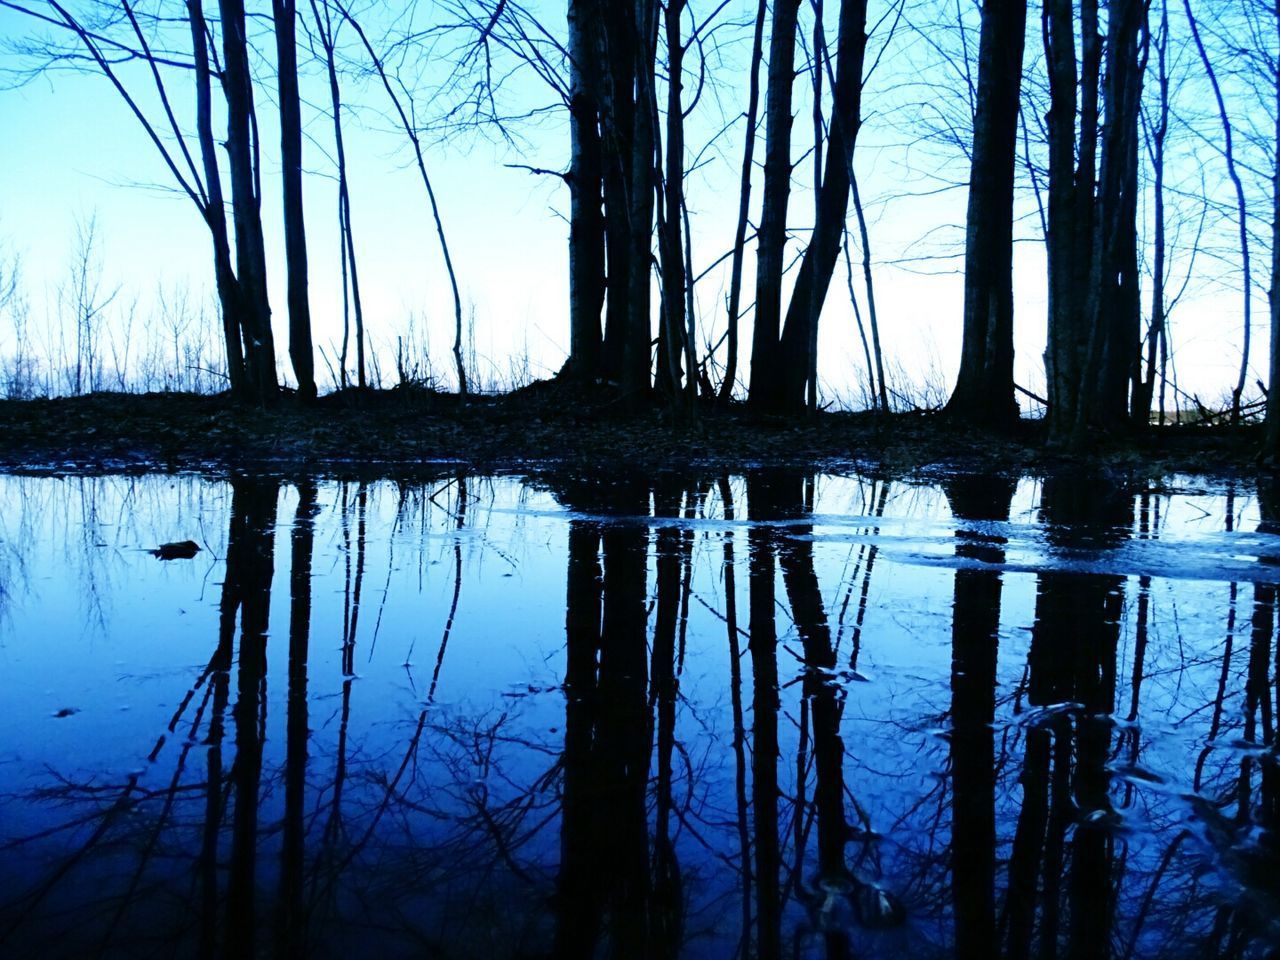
[673,274]
[346,237]
[818,264]
[285,16]
[246,206]
[984,385]
[873,320]
[1271,448]
[215,217]
[586,216]
[1228,153]
[772,233]
[410,131]
[1144,387]
[744,208]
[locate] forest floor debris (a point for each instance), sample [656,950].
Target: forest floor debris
[550,423]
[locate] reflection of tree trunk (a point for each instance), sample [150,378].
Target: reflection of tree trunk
[577,887]
[220,679]
[1073,660]
[974,643]
[795,556]
[764,761]
[1028,842]
[623,731]
[735,695]
[292,924]
[250,564]
[665,907]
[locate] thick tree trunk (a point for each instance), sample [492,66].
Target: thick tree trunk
[635,352]
[301,354]
[1114,312]
[586,216]
[984,386]
[617,112]
[1069,236]
[772,232]
[819,262]
[246,207]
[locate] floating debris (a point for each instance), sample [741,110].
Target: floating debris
[182,550]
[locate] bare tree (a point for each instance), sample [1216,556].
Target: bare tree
[984,385]
[772,232]
[285,17]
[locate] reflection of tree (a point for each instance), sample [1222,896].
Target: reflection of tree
[292,920]
[250,564]
[975,623]
[609,889]
[637,826]
[1072,676]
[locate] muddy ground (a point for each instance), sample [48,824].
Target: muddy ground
[547,425]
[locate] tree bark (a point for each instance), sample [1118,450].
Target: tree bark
[744,207]
[1114,311]
[1069,237]
[1271,448]
[617,110]
[246,206]
[818,264]
[214,211]
[301,354]
[585,179]
[984,386]
[772,233]
[637,338]
[673,274]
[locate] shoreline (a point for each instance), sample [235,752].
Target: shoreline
[551,426]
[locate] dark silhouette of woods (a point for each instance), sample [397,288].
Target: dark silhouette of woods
[1075,126]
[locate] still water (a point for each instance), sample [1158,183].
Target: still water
[769,715]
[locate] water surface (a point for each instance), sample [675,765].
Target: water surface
[772,715]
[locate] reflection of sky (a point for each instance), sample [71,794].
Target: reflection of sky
[94,624]
[71,148]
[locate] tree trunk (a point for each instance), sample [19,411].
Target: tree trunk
[1114,311]
[744,207]
[637,338]
[673,275]
[984,386]
[215,217]
[617,111]
[1069,236]
[1271,448]
[586,217]
[285,16]
[1144,385]
[819,262]
[346,238]
[772,232]
[246,207]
